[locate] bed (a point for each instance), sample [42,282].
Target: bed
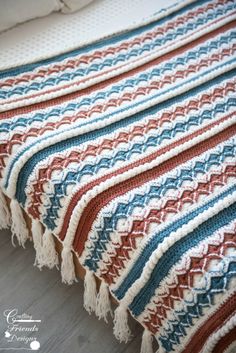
[118,160]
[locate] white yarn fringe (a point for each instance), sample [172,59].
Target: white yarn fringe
[37,235]
[5,216]
[121,328]
[18,226]
[90,292]
[44,245]
[103,303]
[146,346]
[50,256]
[67,266]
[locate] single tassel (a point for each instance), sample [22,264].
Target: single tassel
[121,328]
[18,226]
[90,292]
[67,266]
[37,234]
[5,217]
[50,255]
[103,303]
[147,339]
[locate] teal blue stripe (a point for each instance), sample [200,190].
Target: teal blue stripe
[124,210]
[125,154]
[176,63]
[80,72]
[215,284]
[174,254]
[101,43]
[138,266]
[31,163]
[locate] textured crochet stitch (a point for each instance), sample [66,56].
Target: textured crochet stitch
[125,150]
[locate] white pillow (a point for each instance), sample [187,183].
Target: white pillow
[13,12]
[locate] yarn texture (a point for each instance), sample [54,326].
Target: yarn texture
[125,151]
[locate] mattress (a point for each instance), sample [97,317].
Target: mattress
[124,149]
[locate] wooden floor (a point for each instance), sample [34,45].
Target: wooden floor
[65,326]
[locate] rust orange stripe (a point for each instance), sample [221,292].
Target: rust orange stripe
[215,321]
[103,84]
[102,199]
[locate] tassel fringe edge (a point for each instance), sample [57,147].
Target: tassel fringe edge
[46,255]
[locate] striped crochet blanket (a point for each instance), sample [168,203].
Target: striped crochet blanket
[125,150]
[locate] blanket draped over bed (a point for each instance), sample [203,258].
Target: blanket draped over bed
[125,150]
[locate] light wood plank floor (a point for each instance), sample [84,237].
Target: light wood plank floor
[66,326]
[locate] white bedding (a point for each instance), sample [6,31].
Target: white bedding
[13,12]
[56,33]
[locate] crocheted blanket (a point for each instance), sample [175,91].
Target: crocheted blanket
[125,150]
